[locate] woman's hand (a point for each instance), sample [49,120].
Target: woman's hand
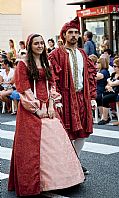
[36,102]
[41,113]
[31,106]
[108,88]
[51,112]
[110,83]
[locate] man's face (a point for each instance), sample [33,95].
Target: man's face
[72,36]
[51,44]
[106,54]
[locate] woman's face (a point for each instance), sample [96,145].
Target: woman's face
[37,45]
[11,44]
[0,58]
[22,46]
[4,66]
[116,68]
[98,65]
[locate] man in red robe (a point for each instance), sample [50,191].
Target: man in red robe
[75,80]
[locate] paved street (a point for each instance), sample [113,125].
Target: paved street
[100,155]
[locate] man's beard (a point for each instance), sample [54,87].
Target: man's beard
[72,41]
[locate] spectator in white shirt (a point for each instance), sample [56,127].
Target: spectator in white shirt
[6,82]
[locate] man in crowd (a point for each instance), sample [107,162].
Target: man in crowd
[51,44]
[89,45]
[75,80]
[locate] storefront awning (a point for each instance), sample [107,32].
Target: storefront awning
[92,3]
[79,2]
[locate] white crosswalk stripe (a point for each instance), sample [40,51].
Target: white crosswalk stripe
[13,123]
[51,195]
[3,176]
[106,133]
[7,134]
[5,153]
[100,148]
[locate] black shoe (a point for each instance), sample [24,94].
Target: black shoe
[85,171]
[109,119]
[103,122]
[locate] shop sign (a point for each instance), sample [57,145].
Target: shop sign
[98,10]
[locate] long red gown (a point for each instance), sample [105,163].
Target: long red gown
[43,158]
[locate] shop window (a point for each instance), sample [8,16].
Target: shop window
[116,34]
[99,28]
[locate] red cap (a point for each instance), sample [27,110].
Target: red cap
[29,39]
[75,23]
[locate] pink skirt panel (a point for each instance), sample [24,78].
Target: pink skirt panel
[59,165]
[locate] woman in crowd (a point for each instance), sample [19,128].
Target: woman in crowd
[12,52]
[104,44]
[110,69]
[6,82]
[111,94]
[102,76]
[43,158]
[15,96]
[94,58]
[22,50]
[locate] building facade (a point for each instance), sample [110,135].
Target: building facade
[19,18]
[46,16]
[10,22]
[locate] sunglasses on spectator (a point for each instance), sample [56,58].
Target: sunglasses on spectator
[115,66]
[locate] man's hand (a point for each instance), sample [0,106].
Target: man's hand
[59,107]
[93,104]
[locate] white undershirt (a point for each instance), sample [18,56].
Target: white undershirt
[80,67]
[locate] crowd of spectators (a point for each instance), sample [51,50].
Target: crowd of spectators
[8,63]
[107,66]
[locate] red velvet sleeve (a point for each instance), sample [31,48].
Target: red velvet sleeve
[92,78]
[56,68]
[21,77]
[52,79]
[53,58]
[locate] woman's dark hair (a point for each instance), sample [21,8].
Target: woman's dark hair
[11,42]
[22,43]
[33,71]
[7,62]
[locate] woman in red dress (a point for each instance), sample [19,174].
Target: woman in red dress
[43,158]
